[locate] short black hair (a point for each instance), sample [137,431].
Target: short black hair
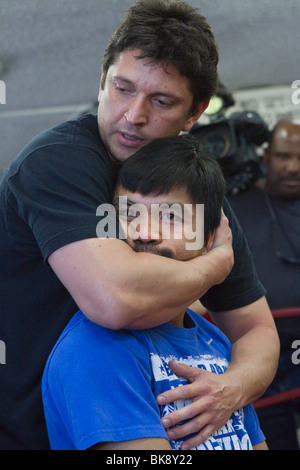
[177,162]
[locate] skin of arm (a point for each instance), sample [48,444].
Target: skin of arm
[261,446]
[105,277]
[254,360]
[151,443]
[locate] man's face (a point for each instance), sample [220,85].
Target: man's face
[141,102]
[282,161]
[168,225]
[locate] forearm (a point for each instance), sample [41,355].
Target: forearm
[255,352]
[135,444]
[119,288]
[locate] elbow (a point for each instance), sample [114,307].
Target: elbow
[116,312]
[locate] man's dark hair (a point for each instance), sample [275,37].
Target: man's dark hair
[178,162]
[169,32]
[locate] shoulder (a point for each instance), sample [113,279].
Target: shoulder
[69,141]
[83,344]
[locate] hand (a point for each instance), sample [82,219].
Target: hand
[222,241]
[213,397]
[219,252]
[222,235]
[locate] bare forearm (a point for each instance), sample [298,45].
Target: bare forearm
[135,444]
[119,288]
[151,290]
[255,353]
[253,365]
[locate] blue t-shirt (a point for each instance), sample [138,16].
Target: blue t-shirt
[101,385]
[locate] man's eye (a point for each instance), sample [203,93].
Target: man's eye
[121,89]
[283,156]
[162,102]
[171,217]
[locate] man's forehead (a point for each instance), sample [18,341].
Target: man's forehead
[289,131]
[175,195]
[129,61]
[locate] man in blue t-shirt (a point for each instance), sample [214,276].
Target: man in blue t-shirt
[104,389]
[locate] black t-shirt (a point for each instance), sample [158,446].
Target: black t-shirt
[49,198]
[274,249]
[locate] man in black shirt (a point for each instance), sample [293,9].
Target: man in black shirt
[159,72]
[270,217]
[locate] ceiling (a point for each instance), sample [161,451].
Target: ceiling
[51,51]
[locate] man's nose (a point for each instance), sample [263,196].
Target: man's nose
[137,111]
[148,231]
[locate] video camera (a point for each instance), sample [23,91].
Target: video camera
[233,141]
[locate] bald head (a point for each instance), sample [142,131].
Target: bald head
[282,160]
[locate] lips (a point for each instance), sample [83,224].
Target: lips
[130,140]
[291,181]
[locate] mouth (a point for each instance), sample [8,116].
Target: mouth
[130,140]
[291,182]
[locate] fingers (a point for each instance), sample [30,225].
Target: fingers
[191,428]
[205,409]
[223,232]
[186,391]
[195,410]
[200,428]
[198,439]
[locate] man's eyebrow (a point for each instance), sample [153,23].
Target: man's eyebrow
[128,201]
[122,79]
[126,81]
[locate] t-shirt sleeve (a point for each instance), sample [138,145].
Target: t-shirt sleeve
[242,286]
[99,389]
[57,190]
[252,425]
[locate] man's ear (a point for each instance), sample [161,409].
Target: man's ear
[193,118]
[210,241]
[102,82]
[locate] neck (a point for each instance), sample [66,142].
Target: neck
[178,321]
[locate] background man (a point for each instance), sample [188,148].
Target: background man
[270,218]
[91,367]
[159,72]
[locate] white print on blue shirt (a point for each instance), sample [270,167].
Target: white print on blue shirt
[233,435]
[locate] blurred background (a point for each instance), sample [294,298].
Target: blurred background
[51,52]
